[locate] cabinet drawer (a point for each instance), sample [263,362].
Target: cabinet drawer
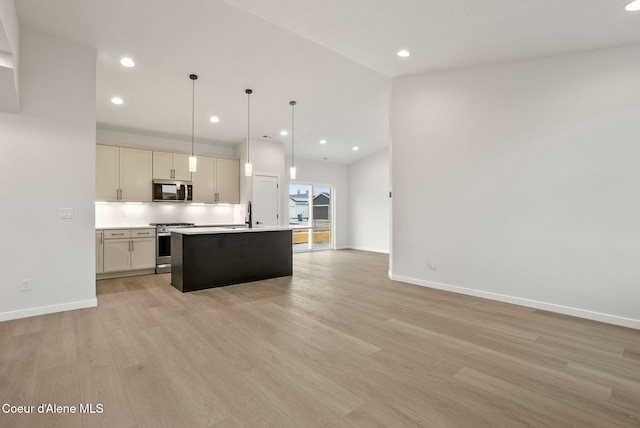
[143,233]
[117,234]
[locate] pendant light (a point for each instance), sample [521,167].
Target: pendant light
[248,169]
[292,170]
[193,161]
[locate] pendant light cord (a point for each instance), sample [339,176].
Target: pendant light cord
[293,103]
[248,91]
[193,78]
[193,114]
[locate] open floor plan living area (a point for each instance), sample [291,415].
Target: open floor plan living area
[292,213]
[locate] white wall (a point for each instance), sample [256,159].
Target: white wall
[369,203]
[332,174]
[267,157]
[522,182]
[47,159]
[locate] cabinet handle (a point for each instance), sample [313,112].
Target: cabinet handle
[114,234]
[131,245]
[143,233]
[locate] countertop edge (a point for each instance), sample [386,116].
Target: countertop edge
[217,230]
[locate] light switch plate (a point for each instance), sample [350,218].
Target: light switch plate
[66,213]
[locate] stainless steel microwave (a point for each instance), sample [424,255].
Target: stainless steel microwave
[172,191]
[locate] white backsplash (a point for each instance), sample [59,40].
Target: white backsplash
[126,214]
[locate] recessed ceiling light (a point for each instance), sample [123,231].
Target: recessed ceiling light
[323,141]
[403,53]
[127,62]
[356,148]
[214,119]
[284,133]
[117,100]
[633,6]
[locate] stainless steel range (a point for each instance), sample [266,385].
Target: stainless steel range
[163,244]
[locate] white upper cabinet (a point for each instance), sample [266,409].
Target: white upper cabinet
[107,173]
[228,181]
[171,166]
[135,175]
[181,167]
[204,181]
[217,180]
[162,165]
[123,174]
[126,174]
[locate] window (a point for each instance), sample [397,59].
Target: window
[310,207]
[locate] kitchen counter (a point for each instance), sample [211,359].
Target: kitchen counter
[200,230]
[212,257]
[221,225]
[135,226]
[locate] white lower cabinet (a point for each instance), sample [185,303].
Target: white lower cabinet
[117,255]
[143,253]
[99,252]
[128,250]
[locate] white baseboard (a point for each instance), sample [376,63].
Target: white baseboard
[123,274]
[551,307]
[43,310]
[372,250]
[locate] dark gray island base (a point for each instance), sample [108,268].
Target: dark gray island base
[201,259]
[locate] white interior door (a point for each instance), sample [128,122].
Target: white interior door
[265,200]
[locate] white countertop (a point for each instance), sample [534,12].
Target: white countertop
[215,230]
[135,226]
[147,226]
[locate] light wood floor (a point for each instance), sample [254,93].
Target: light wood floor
[338,344]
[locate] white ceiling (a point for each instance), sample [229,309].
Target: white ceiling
[336,58]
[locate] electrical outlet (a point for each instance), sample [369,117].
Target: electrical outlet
[66,213]
[433,265]
[26,284]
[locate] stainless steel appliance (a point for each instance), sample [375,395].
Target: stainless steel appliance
[172,191]
[163,244]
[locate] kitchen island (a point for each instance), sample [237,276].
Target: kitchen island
[207,257]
